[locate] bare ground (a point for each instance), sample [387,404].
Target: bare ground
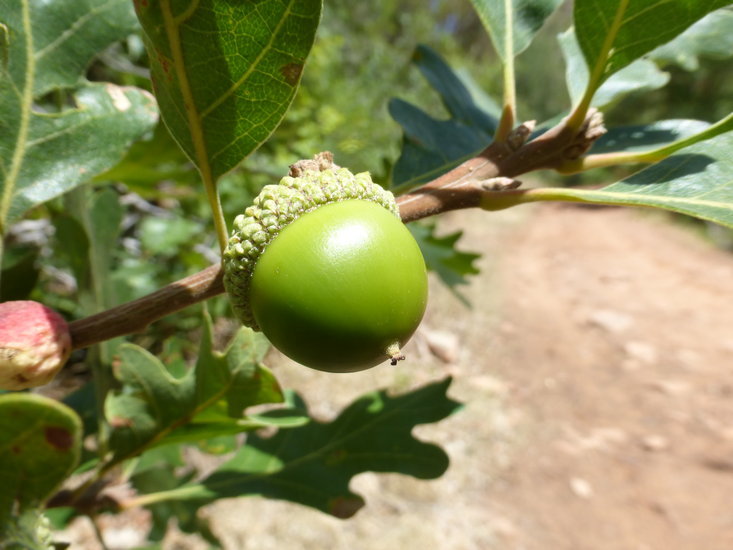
[596,366]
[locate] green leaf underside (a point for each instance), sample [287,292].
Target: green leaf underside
[44,154]
[697,181]
[153,404]
[512,24]
[640,76]
[432,147]
[614,33]
[710,37]
[225,72]
[313,464]
[647,137]
[40,441]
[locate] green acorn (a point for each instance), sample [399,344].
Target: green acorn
[324,267]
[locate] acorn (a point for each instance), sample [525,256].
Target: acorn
[324,267]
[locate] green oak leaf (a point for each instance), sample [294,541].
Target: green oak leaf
[640,76]
[442,257]
[46,150]
[697,181]
[152,403]
[313,464]
[647,137]
[225,72]
[50,44]
[710,37]
[40,442]
[430,146]
[163,477]
[614,33]
[512,24]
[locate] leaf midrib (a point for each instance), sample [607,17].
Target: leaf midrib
[263,52]
[171,25]
[26,102]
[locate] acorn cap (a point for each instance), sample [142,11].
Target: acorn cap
[310,185]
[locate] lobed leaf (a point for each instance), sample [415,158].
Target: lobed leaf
[614,33]
[431,146]
[163,477]
[454,93]
[44,153]
[224,72]
[153,403]
[313,464]
[512,24]
[442,257]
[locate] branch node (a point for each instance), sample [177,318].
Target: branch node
[499,184]
[589,132]
[520,134]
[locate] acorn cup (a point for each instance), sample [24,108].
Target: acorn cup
[324,267]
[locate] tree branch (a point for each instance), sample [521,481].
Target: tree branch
[468,185]
[135,316]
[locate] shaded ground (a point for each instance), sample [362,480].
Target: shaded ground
[597,370]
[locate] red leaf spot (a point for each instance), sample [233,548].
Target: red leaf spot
[60,438]
[15,449]
[291,72]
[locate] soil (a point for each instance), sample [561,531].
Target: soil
[596,369]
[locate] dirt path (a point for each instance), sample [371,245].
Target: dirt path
[621,373]
[597,370]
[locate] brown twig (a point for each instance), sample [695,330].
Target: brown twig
[135,316]
[462,187]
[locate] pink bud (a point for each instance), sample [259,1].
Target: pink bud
[34,344]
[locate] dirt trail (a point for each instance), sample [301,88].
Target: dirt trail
[597,370]
[622,374]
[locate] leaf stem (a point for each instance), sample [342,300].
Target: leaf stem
[508,113]
[26,103]
[603,160]
[655,155]
[171,25]
[598,74]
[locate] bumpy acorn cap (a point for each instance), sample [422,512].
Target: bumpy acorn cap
[310,185]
